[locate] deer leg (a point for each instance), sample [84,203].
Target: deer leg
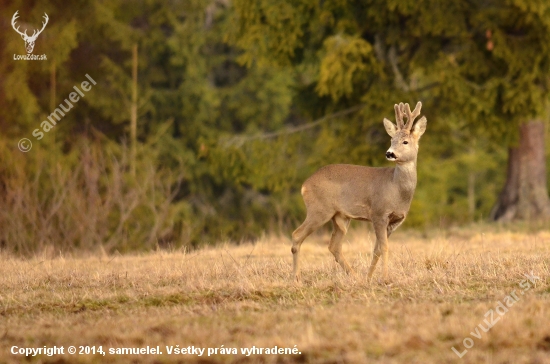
[380,248]
[312,222]
[393,225]
[340,227]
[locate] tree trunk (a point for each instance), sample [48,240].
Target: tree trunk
[525,194]
[133,111]
[472,195]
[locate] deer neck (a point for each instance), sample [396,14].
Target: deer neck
[404,176]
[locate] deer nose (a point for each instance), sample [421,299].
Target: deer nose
[390,155]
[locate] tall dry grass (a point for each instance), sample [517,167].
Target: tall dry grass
[240,296]
[86,199]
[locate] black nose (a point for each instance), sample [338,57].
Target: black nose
[390,155]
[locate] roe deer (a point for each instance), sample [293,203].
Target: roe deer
[341,192]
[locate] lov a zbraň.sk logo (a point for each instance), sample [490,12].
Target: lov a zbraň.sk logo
[29,40]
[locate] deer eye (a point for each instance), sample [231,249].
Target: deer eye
[405,142]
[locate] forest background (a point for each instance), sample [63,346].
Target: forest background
[207,116]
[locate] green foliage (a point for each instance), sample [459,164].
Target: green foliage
[222,89]
[346,59]
[273,28]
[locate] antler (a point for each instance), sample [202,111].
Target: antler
[406,109]
[13,19]
[25,35]
[399,115]
[35,34]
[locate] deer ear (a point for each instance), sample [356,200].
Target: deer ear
[391,129]
[419,127]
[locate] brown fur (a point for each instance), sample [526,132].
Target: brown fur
[341,192]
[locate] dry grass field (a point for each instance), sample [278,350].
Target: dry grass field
[442,288]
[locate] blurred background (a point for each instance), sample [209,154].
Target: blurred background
[208,115]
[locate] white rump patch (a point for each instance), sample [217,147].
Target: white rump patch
[303,190]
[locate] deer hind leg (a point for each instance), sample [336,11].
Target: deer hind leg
[340,228]
[313,221]
[394,224]
[380,248]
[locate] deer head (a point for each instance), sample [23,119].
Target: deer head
[404,142]
[29,40]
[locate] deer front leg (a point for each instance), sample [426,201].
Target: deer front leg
[380,248]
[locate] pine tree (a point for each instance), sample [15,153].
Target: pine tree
[484,63]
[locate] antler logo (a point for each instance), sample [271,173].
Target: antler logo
[29,40]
